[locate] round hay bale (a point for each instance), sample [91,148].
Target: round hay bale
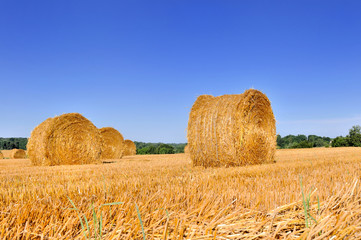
[1,155]
[232,130]
[37,144]
[113,143]
[6,153]
[129,148]
[186,149]
[66,139]
[18,154]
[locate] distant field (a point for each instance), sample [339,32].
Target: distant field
[178,201]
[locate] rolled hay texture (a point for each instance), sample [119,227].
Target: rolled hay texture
[113,143]
[67,139]
[17,154]
[1,155]
[232,130]
[129,148]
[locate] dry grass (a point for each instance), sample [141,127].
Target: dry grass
[178,201]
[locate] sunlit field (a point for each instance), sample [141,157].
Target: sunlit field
[164,197]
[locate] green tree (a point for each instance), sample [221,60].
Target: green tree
[279,141]
[340,142]
[303,144]
[179,148]
[165,149]
[147,150]
[10,143]
[354,136]
[319,142]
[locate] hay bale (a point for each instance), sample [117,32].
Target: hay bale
[113,143]
[186,149]
[18,154]
[6,153]
[232,130]
[37,144]
[65,139]
[1,155]
[129,148]
[13,154]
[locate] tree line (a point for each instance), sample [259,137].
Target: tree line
[353,139]
[11,143]
[302,141]
[159,148]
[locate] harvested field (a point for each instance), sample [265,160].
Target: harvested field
[178,201]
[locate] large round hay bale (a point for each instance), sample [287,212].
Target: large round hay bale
[1,155]
[65,139]
[18,154]
[129,148]
[113,143]
[232,130]
[38,142]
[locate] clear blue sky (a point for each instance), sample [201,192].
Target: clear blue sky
[138,66]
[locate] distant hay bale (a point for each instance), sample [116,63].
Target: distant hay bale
[66,139]
[18,154]
[13,154]
[232,130]
[1,155]
[129,148]
[113,143]
[186,149]
[6,153]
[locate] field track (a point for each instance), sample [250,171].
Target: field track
[178,201]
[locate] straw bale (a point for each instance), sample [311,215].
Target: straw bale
[186,149]
[37,144]
[129,148]
[17,154]
[232,130]
[1,155]
[6,153]
[65,139]
[113,143]
[13,153]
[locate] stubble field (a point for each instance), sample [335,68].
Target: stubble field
[178,201]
